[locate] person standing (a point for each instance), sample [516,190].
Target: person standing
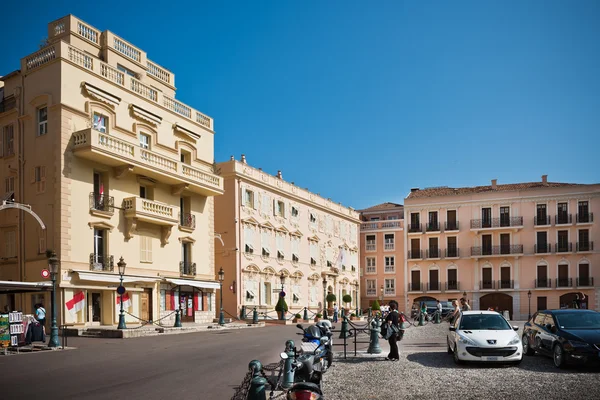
[392,319]
[335,312]
[438,307]
[40,315]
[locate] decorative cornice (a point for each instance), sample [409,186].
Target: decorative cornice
[101,95]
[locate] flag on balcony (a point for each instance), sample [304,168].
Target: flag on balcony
[341,260]
[126,300]
[76,304]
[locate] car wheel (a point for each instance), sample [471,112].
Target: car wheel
[526,349]
[457,360]
[558,356]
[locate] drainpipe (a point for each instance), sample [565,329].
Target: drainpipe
[238,267]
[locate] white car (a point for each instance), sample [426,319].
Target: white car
[484,336]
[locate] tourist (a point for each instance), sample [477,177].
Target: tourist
[392,320]
[40,315]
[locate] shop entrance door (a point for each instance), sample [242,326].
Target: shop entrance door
[146,305]
[94,301]
[186,304]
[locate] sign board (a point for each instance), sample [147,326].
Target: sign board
[121,290]
[4,330]
[15,320]
[45,273]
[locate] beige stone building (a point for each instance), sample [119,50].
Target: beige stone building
[517,247]
[272,227]
[93,139]
[382,250]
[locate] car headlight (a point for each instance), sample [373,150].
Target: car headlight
[465,340]
[576,344]
[514,340]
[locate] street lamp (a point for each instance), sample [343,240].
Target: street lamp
[324,298]
[282,279]
[53,267]
[529,296]
[221,279]
[121,265]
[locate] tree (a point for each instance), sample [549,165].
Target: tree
[375,306]
[331,298]
[347,299]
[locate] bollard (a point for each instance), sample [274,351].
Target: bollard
[257,389]
[325,313]
[342,313]
[344,332]
[288,371]
[370,312]
[243,313]
[357,312]
[374,340]
[437,318]
[421,319]
[255,316]
[305,316]
[177,319]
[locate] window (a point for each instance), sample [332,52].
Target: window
[371,244]
[542,242]
[296,294]
[389,241]
[434,250]
[452,250]
[100,122]
[451,223]
[562,216]
[392,217]
[10,244]
[390,286]
[329,254]
[486,217]
[415,280]
[186,259]
[371,287]
[248,240]
[434,279]
[415,249]
[266,293]
[389,264]
[371,265]
[415,225]
[504,216]
[541,215]
[8,141]
[374,219]
[39,178]
[314,251]
[486,245]
[279,208]
[249,198]
[583,212]
[542,276]
[433,224]
[295,212]
[504,243]
[42,118]
[542,303]
[563,242]
[295,249]
[505,281]
[127,71]
[265,204]
[145,141]
[486,275]
[145,249]
[9,184]
[313,218]
[583,278]
[265,244]
[279,244]
[185,157]
[143,192]
[100,261]
[250,291]
[452,283]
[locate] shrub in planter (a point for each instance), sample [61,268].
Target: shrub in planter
[298,316]
[281,307]
[319,315]
[331,298]
[375,306]
[347,299]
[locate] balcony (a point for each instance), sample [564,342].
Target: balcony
[585,282]
[371,292]
[497,223]
[187,268]
[432,227]
[452,252]
[434,286]
[506,284]
[101,204]
[487,285]
[138,208]
[127,157]
[390,291]
[377,225]
[542,220]
[583,247]
[8,103]
[452,285]
[415,254]
[415,228]
[450,226]
[543,248]
[101,262]
[586,218]
[564,282]
[388,246]
[564,247]
[187,221]
[483,251]
[415,287]
[433,253]
[543,283]
[370,247]
[563,219]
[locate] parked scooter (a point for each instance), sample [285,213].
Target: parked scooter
[304,389]
[320,336]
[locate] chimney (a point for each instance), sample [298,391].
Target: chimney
[232,158]
[279,175]
[244,159]
[414,190]
[260,169]
[494,183]
[544,178]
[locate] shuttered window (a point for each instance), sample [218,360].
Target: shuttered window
[145,249]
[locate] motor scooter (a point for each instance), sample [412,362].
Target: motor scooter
[303,389]
[318,339]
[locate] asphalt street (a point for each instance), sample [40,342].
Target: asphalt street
[202,365]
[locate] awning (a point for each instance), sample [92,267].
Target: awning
[193,283]
[23,287]
[113,278]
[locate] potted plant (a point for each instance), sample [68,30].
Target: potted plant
[375,307]
[330,300]
[297,318]
[353,317]
[318,317]
[348,300]
[281,307]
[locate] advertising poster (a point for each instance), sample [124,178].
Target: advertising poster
[4,330]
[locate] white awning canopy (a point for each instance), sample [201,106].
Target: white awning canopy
[113,278]
[193,283]
[22,287]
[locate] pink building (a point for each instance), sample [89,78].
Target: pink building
[382,251]
[517,247]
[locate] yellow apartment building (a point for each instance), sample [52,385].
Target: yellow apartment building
[93,139]
[272,229]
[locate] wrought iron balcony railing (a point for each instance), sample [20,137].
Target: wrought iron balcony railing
[101,262]
[506,284]
[585,282]
[433,253]
[187,268]
[541,220]
[496,222]
[434,286]
[187,220]
[451,225]
[102,202]
[563,218]
[585,218]
[564,282]
[542,248]
[496,250]
[452,285]
[415,254]
[415,228]
[487,284]
[432,227]
[415,287]
[452,252]
[543,283]
[585,246]
[564,247]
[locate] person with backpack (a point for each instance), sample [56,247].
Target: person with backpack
[392,321]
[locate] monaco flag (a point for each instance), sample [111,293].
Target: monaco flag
[126,300]
[76,304]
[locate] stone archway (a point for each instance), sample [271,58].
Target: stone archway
[567,300]
[502,301]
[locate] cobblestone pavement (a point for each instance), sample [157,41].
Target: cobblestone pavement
[426,371]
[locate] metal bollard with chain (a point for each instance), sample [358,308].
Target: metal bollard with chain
[177,319]
[255,316]
[257,389]
[305,316]
[344,332]
[374,347]
[288,371]
[243,313]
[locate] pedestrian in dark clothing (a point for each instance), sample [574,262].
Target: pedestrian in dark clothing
[392,319]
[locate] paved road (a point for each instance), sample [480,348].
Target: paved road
[203,366]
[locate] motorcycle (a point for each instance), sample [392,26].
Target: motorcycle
[320,338]
[303,388]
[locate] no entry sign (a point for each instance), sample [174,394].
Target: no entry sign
[45,273]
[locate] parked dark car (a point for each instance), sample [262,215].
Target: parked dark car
[568,336]
[432,308]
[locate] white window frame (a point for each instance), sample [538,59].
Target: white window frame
[249,198]
[371,291]
[42,121]
[389,246]
[370,245]
[371,265]
[9,184]
[389,264]
[100,122]
[294,212]
[145,144]
[389,287]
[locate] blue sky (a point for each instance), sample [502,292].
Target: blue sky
[360,101]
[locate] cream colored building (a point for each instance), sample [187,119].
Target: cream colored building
[115,166]
[517,247]
[272,227]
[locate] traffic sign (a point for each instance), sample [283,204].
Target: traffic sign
[45,273]
[121,289]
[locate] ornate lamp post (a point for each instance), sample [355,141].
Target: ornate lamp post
[529,297]
[324,298]
[221,279]
[121,265]
[53,267]
[282,279]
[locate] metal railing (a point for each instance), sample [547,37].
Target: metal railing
[541,220]
[434,286]
[543,283]
[506,284]
[415,228]
[451,225]
[415,254]
[433,253]
[187,268]
[564,247]
[562,219]
[584,282]
[564,282]
[101,202]
[415,287]
[452,252]
[496,222]
[487,284]
[187,220]
[585,246]
[584,218]
[496,250]
[432,227]
[452,285]
[543,248]
[101,262]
